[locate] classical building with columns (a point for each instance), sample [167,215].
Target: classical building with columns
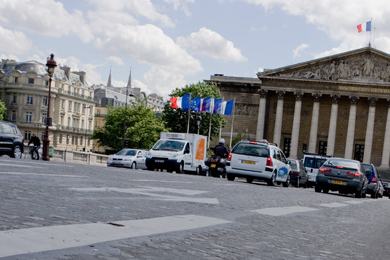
[336,105]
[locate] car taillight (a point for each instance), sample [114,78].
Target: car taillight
[374,180]
[295,173]
[354,174]
[325,170]
[229,157]
[269,162]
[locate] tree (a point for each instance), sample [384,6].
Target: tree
[3,111]
[139,124]
[177,119]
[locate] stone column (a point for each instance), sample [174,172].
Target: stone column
[261,115]
[332,125]
[369,131]
[314,123]
[386,143]
[296,126]
[351,128]
[279,118]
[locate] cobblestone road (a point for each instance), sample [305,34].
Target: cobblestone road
[52,210]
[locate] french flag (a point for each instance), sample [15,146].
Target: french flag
[368,27]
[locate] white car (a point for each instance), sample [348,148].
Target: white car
[131,158]
[258,161]
[312,163]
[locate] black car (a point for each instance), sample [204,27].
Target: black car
[11,140]
[299,175]
[342,175]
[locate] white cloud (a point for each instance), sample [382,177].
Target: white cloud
[299,49]
[45,17]
[116,60]
[14,42]
[209,43]
[181,5]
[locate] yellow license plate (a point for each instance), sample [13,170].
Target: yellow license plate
[249,162]
[213,165]
[339,182]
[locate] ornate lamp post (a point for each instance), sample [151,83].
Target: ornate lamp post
[51,65]
[86,124]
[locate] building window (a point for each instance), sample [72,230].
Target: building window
[72,139]
[67,139]
[28,117]
[81,140]
[14,98]
[70,106]
[323,145]
[287,146]
[29,100]
[13,115]
[62,121]
[89,141]
[44,117]
[359,152]
[60,139]
[27,135]
[16,80]
[76,139]
[45,101]
[30,80]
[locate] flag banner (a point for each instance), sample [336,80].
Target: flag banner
[368,27]
[223,106]
[217,105]
[206,105]
[186,102]
[196,104]
[229,107]
[175,102]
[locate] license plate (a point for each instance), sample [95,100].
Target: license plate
[249,162]
[338,182]
[213,165]
[159,161]
[310,177]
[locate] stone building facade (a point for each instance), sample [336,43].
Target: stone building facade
[24,89]
[336,105]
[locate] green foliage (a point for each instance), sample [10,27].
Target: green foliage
[139,124]
[177,119]
[3,111]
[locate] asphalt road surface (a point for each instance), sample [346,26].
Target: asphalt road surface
[53,210]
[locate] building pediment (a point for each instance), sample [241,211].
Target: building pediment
[366,65]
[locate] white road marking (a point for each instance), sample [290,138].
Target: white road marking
[32,240]
[162,181]
[353,202]
[15,165]
[280,211]
[151,193]
[333,205]
[43,174]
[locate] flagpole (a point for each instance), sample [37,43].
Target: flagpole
[231,130]
[189,115]
[211,116]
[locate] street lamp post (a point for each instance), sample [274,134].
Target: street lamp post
[198,120]
[51,65]
[86,129]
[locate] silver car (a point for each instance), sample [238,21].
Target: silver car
[130,158]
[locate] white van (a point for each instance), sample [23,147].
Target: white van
[312,163]
[179,152]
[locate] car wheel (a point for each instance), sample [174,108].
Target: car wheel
[358,194]
[363,195]
[317,188]
[287,183]
[150,168]
[180,168]
[231,177]
[17,152]
[133,165]
[297,183]
[325,190]
[272,181]
[374,195]
[249,180]
[198,170]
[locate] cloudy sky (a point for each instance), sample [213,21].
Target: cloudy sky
[170,43]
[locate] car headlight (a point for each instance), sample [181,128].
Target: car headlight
[175,155]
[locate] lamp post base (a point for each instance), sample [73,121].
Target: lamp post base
[45,155]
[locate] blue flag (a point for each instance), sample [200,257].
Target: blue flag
[229,107]
[195,104]
[186,102]
[206,105]
[368,26]
[217,106]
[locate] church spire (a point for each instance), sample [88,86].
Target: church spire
[109,79]
[129,81]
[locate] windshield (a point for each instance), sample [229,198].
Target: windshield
[127,152]
[169,145]
[315,163]
[251,149]
[342,163]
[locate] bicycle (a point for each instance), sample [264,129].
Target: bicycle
[34,152]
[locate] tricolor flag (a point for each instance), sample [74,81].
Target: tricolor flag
[207,105]
[229,107]
[217,106]
[368,27]
[181,102]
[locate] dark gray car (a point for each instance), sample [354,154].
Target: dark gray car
[299,175]
[342,175]
[11,140]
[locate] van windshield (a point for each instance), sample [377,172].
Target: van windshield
[168,145]
[315,163]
